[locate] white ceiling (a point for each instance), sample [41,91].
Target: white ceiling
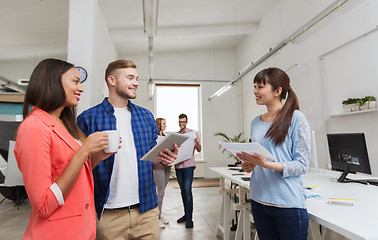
[31,28]
[39,28]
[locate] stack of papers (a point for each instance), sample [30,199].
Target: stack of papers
[186,150]
[250,148]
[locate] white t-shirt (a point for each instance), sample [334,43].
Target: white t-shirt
[124,181]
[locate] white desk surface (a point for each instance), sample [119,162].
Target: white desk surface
[224,172]
[359,221]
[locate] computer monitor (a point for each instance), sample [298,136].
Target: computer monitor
[348,154]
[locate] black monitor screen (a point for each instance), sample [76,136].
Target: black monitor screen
[348,152]
[8,131]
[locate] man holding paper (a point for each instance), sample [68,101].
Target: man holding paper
[185,169]
[125,193]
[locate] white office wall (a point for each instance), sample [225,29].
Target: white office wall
[90,46]
[104,53]
[22,68]
[219,114]
[350,21]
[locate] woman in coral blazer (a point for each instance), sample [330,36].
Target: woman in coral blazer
[56,167]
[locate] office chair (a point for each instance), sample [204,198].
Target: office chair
[13,186]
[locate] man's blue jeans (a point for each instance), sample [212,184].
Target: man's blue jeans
[280,223]
[185,179]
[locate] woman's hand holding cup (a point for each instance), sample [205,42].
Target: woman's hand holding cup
[96,142]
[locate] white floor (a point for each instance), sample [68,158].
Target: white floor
[205,213]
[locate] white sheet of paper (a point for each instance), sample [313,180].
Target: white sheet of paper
[250,148]
[14,176]
[3,166]
[186,150]
[159,138]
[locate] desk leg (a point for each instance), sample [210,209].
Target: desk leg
[314,231]
[239,229]
[223,222]
[243,230]
[220,219]
[226,216]
[246,225]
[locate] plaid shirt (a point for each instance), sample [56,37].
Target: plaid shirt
[101,118]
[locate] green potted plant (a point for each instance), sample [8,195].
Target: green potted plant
[351,105]
[363,104]
[346,105]
[371,102]
[236,139]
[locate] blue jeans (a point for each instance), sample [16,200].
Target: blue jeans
[185,179]
[280,223]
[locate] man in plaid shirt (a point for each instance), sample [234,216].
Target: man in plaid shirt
[125,193]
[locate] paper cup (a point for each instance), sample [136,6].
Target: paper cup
[113,141]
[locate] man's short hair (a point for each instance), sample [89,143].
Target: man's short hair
[183,115]
[118,64]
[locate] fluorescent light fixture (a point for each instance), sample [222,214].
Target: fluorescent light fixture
[221,91]
[273,50]
[150,16]
[12,85]
[245,69]
[241,73]
[151,88]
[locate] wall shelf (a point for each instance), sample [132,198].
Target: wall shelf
[12,97]
[352,113]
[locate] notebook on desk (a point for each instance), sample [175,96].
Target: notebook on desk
[234,169]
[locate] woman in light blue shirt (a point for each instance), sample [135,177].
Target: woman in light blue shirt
[277,196]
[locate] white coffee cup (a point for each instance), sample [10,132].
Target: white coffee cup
[113,141]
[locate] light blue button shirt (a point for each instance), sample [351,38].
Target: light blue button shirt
[283,189]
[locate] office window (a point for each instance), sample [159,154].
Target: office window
[174,99]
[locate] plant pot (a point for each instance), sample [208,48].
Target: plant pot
[347,108]
[372,104]
[364,106]
[354,107]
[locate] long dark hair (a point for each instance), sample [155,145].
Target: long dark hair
[279,79]
[45,91]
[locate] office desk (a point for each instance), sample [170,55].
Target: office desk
[243,230]
[359,221]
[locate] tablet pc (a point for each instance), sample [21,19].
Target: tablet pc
[167,142]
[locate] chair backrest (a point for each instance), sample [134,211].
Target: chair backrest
[13,176]
[3,165]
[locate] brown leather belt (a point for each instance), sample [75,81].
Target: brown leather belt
[131,207]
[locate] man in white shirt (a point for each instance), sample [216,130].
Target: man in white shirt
[125,192]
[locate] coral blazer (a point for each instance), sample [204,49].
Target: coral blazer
[43,150]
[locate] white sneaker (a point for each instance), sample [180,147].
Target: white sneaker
[163,220]
[161,224]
